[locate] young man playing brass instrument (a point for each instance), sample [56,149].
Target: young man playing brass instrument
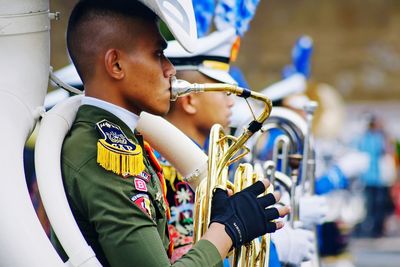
[195,114]
[110,177]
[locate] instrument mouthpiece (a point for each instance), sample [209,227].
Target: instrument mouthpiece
[182,87]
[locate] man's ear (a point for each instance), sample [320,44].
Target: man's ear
[113,65]
[189,104]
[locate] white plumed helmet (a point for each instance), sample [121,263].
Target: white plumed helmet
[178,15]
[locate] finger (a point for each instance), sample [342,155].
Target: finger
[283,211]
[230,192]
[271,227]
[257,188]
[277,195]
[279,225]
[267,200]
[266,183]
[220,194]
[219,199]
[271,214]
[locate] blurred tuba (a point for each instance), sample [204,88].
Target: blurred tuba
[292,150]
[224,150]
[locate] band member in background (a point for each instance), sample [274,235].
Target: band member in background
[195,115]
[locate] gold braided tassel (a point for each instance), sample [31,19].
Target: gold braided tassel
[120,161]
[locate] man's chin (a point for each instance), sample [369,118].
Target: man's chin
[159,111]
[227,123]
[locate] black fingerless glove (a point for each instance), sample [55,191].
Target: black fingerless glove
[244,215]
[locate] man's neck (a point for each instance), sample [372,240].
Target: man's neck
[107,93]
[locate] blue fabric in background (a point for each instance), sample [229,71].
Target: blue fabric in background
[203,11]
[332,179]
[301,55]
[301,58]
[226,263]
[244,14]
[372,143]
[273,257]
[238,76]
[235,13]
[225,14]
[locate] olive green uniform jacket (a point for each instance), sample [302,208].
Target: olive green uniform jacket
[119,231]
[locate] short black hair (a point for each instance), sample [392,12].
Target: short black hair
[81,34]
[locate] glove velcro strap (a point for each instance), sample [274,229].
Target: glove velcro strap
[233,229]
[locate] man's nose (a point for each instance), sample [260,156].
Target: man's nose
[230,100]
[169,69]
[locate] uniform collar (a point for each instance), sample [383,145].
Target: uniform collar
[129,118]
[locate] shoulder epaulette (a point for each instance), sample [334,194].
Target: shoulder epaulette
[116,152]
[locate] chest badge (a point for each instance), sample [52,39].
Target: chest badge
[160,200]
[116,152]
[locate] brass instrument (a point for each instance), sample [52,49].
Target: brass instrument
[308,169]
[281,151]
[274,176]
[290,142]
[294,163]
[308,164]
[293,126]
[223,151]
[294,148]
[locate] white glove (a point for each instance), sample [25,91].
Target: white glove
[353,163]
[312,210]
[294,245]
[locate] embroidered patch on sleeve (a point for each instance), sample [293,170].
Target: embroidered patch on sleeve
[145,176]
[143,202]
[140,185]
